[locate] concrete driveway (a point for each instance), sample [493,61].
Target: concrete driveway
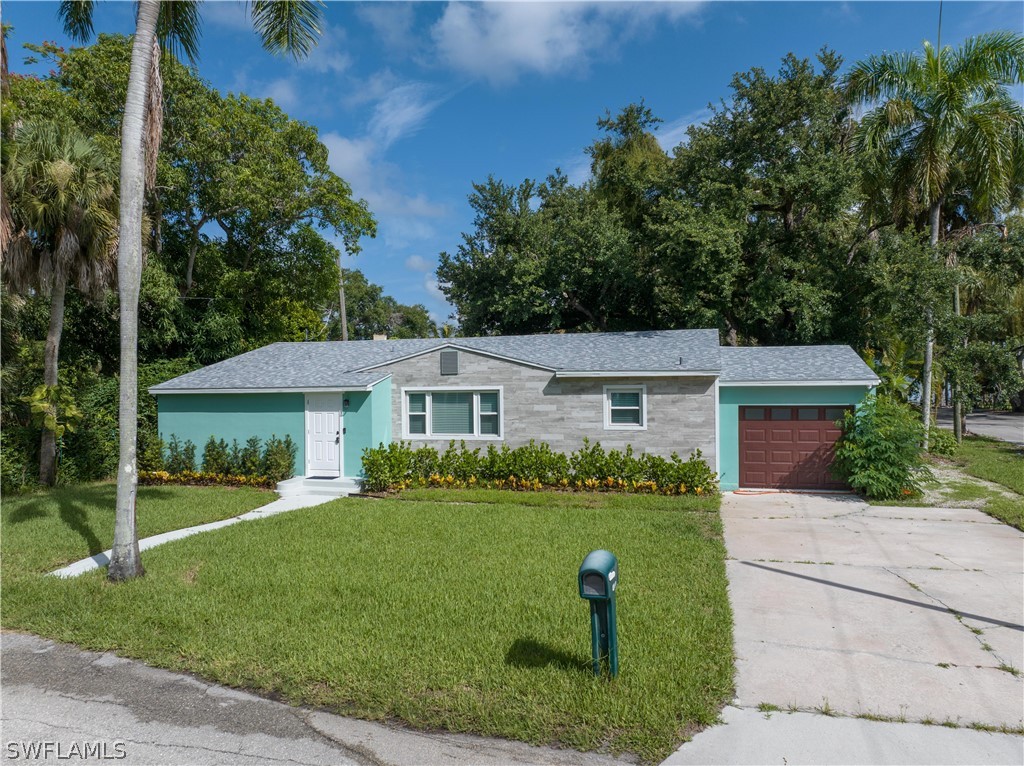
[904,614]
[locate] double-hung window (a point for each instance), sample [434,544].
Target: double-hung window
[625,408]
[453,413]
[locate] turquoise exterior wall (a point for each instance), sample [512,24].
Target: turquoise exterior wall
[197,417]
[367,422]
[730,398]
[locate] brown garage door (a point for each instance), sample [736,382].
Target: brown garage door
[788,447]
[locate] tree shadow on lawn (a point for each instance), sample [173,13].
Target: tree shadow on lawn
[73,504]
[530,653]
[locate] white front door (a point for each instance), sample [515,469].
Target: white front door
[323,435]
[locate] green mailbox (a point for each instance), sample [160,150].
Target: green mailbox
[598,579]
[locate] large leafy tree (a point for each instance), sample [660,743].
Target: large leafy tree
[291,27]
[943,126]
[243,207]
[62,189]
[754,229]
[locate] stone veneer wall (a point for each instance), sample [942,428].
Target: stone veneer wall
[680,411]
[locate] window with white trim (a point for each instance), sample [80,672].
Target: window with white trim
[625,408]
[453,413]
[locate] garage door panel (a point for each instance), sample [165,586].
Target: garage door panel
[792,448]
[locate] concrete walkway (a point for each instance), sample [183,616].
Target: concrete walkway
[58,694]
[282,505]
[1006,426]
[906,614]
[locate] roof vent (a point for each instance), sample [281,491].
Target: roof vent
[380,336]
[449,362]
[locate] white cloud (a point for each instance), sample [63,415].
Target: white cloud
[228,15]
[282,91]
[400,112]
[392,23]
[673,132]
[418,263]
[498,41]
[329,56]
[433,291]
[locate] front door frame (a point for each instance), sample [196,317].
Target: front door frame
[315,402]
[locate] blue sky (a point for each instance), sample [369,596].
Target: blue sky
[415,101]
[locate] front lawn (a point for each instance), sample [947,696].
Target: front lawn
[45,530]
[445,610]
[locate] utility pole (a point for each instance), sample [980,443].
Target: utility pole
[343,315]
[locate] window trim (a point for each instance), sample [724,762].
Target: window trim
[608,391]
[475,390]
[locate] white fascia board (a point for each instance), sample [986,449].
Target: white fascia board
[456,347]
[637,374]
[301,390]
[764,383]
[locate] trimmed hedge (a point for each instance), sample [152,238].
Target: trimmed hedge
[397,466]
[265,464]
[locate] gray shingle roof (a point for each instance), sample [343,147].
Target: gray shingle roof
[335,364]
[764,364]
[308,366]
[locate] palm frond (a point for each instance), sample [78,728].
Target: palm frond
[76,15]
[178,28]
[288,26]
[883,76]
[991,58]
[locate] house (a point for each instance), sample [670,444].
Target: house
[762,417]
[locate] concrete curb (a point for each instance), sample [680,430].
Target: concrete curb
[282,505]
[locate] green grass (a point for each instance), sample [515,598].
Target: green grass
[48,529]
[460,615]
[999,462]
[993,460]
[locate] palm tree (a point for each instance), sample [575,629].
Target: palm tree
[291,26]
[63,195]
[943,123]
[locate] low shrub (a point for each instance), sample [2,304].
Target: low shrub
[879,453]
[258,463]
[942,442]
[397,466]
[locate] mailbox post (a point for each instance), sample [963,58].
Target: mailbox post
[598,579]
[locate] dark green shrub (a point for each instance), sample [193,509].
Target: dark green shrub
[215,457]
[180,457]
[235,458]
[879,453]
[942,442]
[250,460]
[279,458]
[151,452]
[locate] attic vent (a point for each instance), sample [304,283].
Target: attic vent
[449,362]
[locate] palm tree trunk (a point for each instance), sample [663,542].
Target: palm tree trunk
[934,216]
[125,562]
[48,442]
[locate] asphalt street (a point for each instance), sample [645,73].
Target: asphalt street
[1007,426]
[59,701]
